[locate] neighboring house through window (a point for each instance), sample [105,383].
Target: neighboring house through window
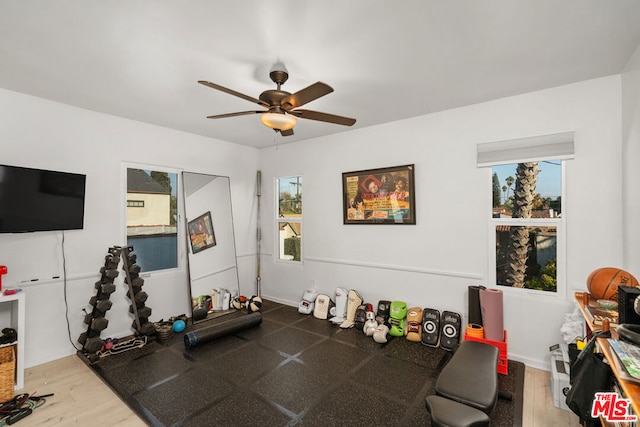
[151,218]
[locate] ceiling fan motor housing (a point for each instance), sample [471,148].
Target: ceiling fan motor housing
[273,98]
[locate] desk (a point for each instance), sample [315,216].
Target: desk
[15,304]
[631,389]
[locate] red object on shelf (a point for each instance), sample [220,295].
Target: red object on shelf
[503,361]
[3,270]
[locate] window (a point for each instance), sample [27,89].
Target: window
[152,206]
[527,212]
[289,218]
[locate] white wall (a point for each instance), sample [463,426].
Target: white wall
[43,134]
[432,263]
[429,264]
[631,160]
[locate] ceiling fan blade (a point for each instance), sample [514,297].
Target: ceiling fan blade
[239,113]
[234,93]
[286,132]
[305,95]
[323,117]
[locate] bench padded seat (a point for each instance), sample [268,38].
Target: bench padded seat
[471,376]
[447,413]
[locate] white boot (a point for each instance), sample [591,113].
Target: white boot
[308,302]
[354,301]
[341,305]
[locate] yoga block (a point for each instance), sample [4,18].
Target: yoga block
[503,360]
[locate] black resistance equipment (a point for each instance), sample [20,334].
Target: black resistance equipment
[96,321]
[213,332]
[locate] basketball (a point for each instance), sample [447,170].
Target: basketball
[254,304]
[603,283]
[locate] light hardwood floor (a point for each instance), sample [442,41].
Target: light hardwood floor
[81,398]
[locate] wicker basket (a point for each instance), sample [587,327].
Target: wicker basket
[7,373]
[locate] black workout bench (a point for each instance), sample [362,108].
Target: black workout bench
[467,387]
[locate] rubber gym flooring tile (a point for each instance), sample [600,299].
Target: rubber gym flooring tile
[333,357]
[291,370]
[246,364]
[149,369]
[294,386]
[242,408]
[429,357]
[351,404]
[284,314]
[290,340]
[357,339]
[267,327]
[323,328]
[172,400]
[393,377]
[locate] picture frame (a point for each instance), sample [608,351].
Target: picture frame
[201,234]
[379,196]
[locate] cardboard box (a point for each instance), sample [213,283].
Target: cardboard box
[559,381]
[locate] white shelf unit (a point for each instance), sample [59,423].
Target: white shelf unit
[13,311]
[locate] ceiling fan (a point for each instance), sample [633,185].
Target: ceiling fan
[282,107]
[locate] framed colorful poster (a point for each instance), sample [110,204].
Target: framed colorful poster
[201,234]
[379,196]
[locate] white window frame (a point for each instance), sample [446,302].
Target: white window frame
[556,147]
[278,220]
[558,223]
[180,228]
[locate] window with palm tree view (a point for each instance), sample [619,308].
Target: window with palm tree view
[527,212]
[289,218]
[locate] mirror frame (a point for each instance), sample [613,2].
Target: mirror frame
[213,249]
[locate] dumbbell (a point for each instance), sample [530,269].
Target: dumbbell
[106,288]
[142,312]
[110,273]
[147,328]
[96,323]
[102,305]
[134,269]
[93,344]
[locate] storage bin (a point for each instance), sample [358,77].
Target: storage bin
[7,373]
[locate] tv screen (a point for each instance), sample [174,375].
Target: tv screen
[40,200]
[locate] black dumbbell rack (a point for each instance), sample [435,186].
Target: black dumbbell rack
[100,302]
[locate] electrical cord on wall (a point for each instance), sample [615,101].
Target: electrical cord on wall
[64,284]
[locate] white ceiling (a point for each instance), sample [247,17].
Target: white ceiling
[386,60]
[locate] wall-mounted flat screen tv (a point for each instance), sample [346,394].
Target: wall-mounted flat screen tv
[40,200]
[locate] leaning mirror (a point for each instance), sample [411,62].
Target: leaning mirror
[211,249]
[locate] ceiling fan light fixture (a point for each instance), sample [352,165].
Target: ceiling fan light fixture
[278,121]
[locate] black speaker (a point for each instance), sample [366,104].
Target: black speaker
[626,298]
[450,330]
[430,327]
